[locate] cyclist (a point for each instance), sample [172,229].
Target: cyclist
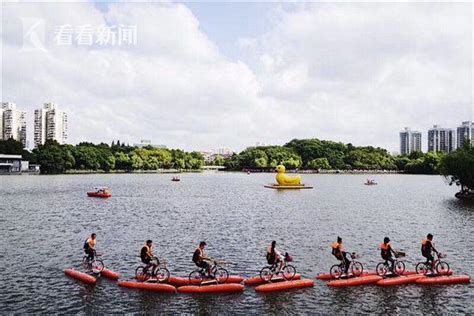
[146,254]
[199,258]
[89,246]
[340,254]
[427,248]
[386,252]
[274,257]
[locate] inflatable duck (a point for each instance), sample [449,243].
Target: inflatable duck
[285,180]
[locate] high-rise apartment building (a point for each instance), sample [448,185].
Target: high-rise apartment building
[50,123]
[13,123]
[441,139]
[465,131]
[410,141]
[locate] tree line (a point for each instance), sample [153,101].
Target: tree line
[55,158]
[318,154]
[315,154]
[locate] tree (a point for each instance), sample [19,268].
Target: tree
[11,146]
[53,158]
[458,167]
[319,163]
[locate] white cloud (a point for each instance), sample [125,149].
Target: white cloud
[355,73]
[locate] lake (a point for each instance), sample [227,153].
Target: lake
[45,219]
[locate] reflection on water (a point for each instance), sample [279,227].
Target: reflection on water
[47,218]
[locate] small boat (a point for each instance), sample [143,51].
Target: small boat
[100,192]
[370,182]
[175,179]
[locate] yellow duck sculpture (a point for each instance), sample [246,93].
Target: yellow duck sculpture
[285,180]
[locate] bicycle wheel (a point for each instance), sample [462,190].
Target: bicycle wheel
[195,277]
[97,265]
[140,274]
[288,272]
[161,274]
[221,275]
[381,269]
[335,271]
[85,263]
[399,267]
[442,267]
[357,268]
[421,268]
[266,274]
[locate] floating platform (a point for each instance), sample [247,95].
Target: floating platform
[328,276]
[399,280]
[155,287]
[287,187]
[81,276]
[109,274]
[215,288]
[368,279]
[179,281]
[285,285]
[257,280]
[441,280]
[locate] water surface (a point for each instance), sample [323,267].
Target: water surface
[44,221]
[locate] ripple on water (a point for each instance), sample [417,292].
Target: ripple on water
[44,230]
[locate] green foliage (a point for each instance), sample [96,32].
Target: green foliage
[459,167]
[425,163]
[11,147]
[319,163]
[322,154]
[54,158]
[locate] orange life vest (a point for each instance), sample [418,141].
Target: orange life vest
[384,246]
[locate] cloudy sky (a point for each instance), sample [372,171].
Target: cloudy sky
[208,75]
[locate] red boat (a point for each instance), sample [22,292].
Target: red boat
[100,193]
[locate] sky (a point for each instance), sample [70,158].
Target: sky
[201,76]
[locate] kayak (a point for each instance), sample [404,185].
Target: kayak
[155,287]
[328,276]
[179,281]
[399,280]
[257,280]
[368,279]
[439,280]
[215,288]
[81,276]
[110,274]
[99,195]
[285,285]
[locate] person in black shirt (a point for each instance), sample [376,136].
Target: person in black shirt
[199,257]
[427,248]
[146,255]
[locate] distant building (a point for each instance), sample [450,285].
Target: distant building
[13,123]
[15,164]
[465,131]
[210,155]
[410,141]
[147,143]
[10,163]
[224,152]
[50,124]
[441,139]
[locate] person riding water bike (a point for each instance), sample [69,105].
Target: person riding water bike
[386,252]
[146,255]
[274,257]
[427,248]
[89,246]
[340,254]
[199,258]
